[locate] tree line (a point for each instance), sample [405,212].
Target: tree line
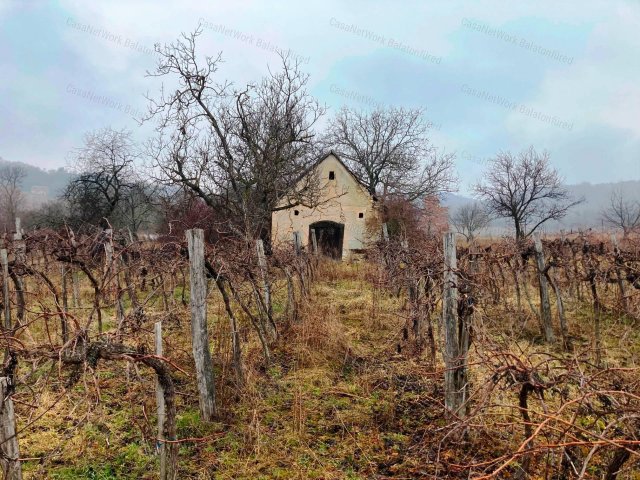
[237,153]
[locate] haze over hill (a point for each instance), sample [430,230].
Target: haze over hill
[585,215]
[596,198]
[40,185]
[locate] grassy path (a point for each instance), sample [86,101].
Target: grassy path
[341,404]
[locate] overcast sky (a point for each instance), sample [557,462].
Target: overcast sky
[492,75]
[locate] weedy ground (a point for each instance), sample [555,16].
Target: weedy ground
[337,402]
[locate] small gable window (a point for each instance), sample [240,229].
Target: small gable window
[332,175]
[361,215]
[296,212]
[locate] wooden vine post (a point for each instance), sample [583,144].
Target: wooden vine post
[9,451]
[20,244]
[108,266]
[619,263]
[545,304]
[160,405]
[454,356]
[4,260]
[297,244]
[199,335]
[264,271]
[385,232]
[65,303]
[314,241]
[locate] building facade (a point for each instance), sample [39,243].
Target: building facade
[339,217]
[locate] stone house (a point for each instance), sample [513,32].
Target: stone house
[339,217]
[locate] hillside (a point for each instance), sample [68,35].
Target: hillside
[596,196]
[40,181]
[586,215]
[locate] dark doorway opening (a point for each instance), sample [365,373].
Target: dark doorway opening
[329,236]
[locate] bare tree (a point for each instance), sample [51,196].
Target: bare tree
[390,153]
[622,213]
[469,219]
[105,176]
[137,209]
[11,196]
[524,188]
[243,151]
[52,214]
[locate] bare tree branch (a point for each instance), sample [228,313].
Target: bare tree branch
[524,188]
[622,213]
[243,151]
[469,219]
[390,153]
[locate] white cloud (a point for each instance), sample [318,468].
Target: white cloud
[598,87]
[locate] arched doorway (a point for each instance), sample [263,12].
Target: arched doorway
[329,236]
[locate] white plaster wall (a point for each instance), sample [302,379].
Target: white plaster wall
[342,200]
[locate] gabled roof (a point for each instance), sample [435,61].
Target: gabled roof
[323,157]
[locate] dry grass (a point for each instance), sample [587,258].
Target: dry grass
[336,403]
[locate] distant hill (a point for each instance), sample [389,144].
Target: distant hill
[453,200]
[586,215]
[41,185]
[597,197]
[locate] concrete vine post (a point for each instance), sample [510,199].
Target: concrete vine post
[199,334]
